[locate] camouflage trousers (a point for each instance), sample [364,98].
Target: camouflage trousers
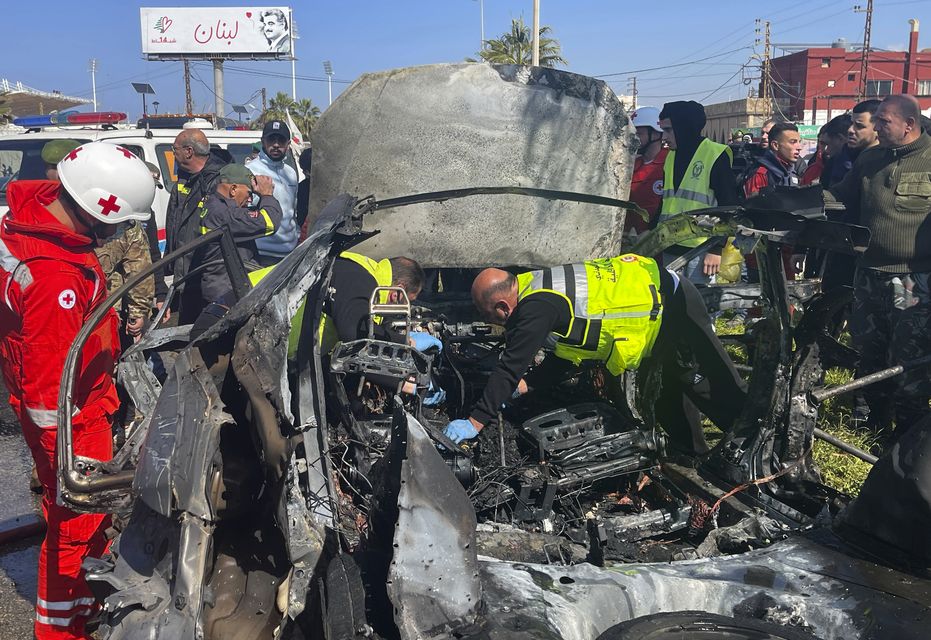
[889,326]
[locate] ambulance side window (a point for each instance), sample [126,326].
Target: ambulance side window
[166,162]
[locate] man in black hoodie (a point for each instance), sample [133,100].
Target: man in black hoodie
[198,174]
[697,174]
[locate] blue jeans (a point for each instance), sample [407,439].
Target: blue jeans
[694,270]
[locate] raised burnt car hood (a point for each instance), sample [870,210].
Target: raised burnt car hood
[451,126]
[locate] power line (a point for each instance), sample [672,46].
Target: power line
[669,66]
[724,84]
[277,74]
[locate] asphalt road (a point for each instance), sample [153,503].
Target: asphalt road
[18,508]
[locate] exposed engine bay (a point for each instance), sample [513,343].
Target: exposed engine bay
[570,474]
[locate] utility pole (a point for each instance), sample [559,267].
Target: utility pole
[535,61]
[93,70]
[264,103]
[865,58]
[188,102]
[632,87]
[765,74]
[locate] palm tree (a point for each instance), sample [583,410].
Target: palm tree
[516,47]
[305,114]
[277,109]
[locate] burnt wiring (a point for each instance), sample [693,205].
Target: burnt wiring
[703,513]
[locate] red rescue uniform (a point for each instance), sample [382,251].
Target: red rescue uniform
[50,283]
[646,189]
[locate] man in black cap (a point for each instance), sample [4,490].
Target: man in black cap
[276,136]
[697,174]
[228,206]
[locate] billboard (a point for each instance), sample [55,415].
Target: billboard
[211,32]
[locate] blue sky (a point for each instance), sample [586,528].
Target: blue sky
[50,49]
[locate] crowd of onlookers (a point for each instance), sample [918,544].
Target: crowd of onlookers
[876,162]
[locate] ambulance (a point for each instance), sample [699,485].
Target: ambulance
[151,140]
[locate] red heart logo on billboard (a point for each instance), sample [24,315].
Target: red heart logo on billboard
[166,22]
[248,14]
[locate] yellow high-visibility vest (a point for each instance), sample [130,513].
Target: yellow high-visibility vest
[380,270]
[694,192]
[615,304]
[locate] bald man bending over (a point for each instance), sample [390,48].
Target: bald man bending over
[616,311]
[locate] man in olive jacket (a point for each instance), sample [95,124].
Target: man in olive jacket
[888,190]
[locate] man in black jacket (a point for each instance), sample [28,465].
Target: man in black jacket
[228,206]
[198,173]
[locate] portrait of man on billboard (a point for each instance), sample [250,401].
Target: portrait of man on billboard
[276,30]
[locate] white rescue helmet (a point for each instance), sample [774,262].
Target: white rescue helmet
[646,117]
[108,181]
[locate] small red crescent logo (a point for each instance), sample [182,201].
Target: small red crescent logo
[628,258]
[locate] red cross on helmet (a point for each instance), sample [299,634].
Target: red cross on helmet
[108,182]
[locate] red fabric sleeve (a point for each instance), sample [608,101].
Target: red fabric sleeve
[756,182]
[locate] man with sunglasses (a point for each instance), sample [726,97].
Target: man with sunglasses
[228,206]
[198,172]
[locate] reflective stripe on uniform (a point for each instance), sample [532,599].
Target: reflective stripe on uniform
[78,608]
[64,605]
[182,189]
[43,418]
[615,308]
[269,225]
[61,622]
[696,196]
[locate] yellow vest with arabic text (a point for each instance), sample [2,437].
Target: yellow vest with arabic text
[694,192]
[615,304]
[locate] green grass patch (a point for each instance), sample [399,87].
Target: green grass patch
[839,470]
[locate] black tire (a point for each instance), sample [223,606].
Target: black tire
[345,599]
[698,625]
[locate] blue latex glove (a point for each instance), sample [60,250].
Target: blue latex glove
[434,396]
[423,341]
[459,430]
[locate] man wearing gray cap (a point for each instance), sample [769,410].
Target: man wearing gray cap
[276,136]
[229,206]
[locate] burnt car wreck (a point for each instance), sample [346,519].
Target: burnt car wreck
[269,495]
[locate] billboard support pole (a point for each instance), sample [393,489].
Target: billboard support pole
[218,86]
[188,102]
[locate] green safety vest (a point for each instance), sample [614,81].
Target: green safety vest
[380,270]
[615,304]
[694,191]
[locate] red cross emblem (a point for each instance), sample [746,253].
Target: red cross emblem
[126,152]
[109,205]
[74,154]
[67,299]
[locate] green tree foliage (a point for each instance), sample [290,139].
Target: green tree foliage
[304,112]
[516,47]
